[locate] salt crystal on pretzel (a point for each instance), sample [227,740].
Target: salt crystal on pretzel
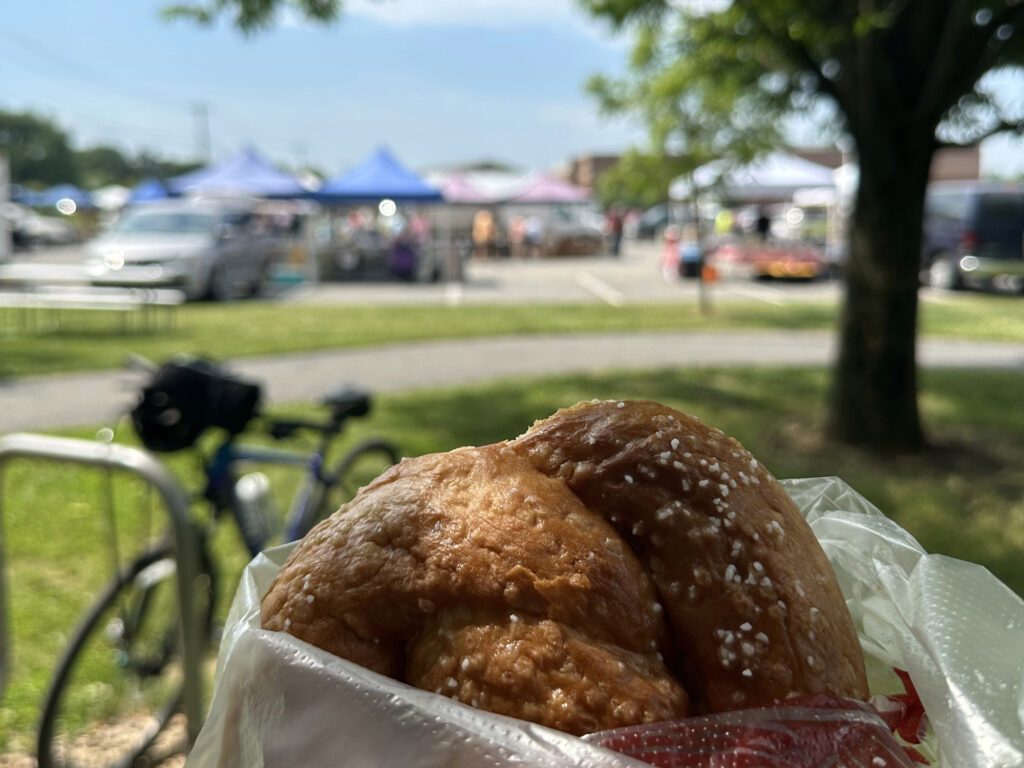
[756,612]
[535,578]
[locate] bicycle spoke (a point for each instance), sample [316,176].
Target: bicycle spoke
[121,679]
[361,466]
[110,507]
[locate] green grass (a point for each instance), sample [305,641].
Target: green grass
[965,499]
[974,316]
[90,341]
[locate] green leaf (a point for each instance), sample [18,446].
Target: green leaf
[250,16]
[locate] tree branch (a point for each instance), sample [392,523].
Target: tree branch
[961,69]
[1003,126]
[799,52]
[942,67]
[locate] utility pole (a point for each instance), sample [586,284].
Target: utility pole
[202,116]
[301,149]
[6,244]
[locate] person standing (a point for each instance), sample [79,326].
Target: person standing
[483,234]
[615,226]
[764,224]
[517,236]
[534,236]
[403,258]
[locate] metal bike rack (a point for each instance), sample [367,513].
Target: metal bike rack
[186,550]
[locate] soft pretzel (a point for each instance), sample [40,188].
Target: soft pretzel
[473,574]
[541,670]
[755,608]
[534,578]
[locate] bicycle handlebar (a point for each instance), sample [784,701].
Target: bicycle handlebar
[342,404]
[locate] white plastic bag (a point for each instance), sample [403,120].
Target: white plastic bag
[957,630]
[280,702]
[952,625]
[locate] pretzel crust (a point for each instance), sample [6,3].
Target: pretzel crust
[619,563]
[472,573]
[755,609]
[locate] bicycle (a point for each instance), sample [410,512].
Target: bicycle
[119,665]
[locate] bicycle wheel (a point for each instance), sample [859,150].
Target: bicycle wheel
[120,679]
[356,468]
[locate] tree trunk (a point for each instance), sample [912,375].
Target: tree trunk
[873,399]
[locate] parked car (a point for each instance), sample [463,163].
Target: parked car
[574,232]
[974,236]
[570,229]
[753,259]
[209,248]
[652,222]
[28,228]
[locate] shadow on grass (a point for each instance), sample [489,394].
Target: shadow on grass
[964,497]
[491,412]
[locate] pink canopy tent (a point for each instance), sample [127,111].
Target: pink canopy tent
[544,189]
[457,189]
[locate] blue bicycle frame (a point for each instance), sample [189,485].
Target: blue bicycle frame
[221,476]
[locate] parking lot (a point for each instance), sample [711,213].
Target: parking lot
[635,276]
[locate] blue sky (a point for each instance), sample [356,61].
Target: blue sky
[438,81]
[436,84]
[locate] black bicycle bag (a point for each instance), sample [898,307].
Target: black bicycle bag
[187,396]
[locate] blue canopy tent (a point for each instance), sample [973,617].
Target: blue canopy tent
[53,195]
[381,177]
[246,173]
[148,189]
[378,177]
[25,196]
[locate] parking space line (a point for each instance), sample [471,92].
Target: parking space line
[599,288]
[454,294]
[761,293]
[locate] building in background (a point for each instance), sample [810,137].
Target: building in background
[585,170]
[950,163]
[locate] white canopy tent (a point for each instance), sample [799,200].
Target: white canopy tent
[774,177]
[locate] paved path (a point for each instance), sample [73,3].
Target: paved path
[48,402]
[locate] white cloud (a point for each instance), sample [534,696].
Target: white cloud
[496,14]
[288,18]
[493,14]
[557,15]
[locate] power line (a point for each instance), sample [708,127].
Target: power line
[103,122]
[79,71]
[74,70]
[202,117]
